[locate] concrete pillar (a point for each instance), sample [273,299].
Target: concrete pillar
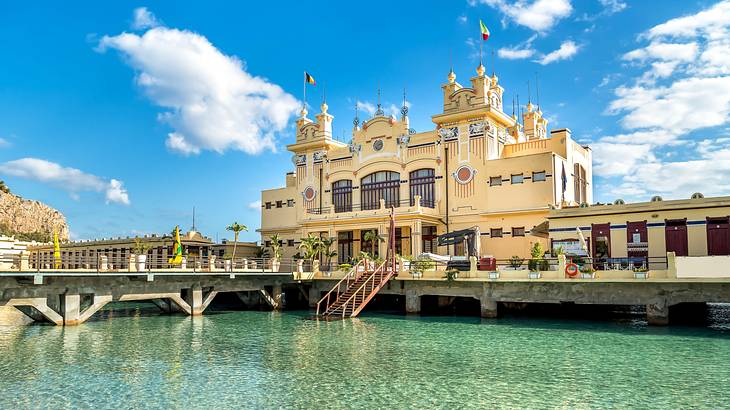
[671,265]
[24,261]
[473,267]
[657,314]
[416,239]
[413,302]
[71,309]
[314,296]
[488,307]
[211,263]
[561,266]
[278,297]
[196,301]
[103,263]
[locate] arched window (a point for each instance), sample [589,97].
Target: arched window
[342,195]
[380,185]
[422,183]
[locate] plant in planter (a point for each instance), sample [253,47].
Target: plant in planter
[236,228]
[533,265]
[451,275]
[275,252]
[326,251]
[140,249]
[587,272]
[419,265]
[641,273]
[516,262]
[311,247]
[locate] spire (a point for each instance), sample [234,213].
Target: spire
[379,111]
[404,108]
[356,120]
[452,76]
[324,105]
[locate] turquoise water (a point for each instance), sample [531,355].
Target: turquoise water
[132,359]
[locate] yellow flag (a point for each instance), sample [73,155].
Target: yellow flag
[56,250]
[176,249]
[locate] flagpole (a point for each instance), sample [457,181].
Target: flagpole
[304,104]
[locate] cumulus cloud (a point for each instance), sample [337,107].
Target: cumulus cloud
[567,50]
[537,15]
[144,19]
[255,205]
[212,102]
[515,53]
[684,88]
[72,180]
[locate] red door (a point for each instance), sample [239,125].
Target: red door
[637,245]
[601,241]
[718,236]
[676,236]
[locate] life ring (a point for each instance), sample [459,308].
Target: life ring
[571,269]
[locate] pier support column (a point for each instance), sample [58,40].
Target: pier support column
[71,309]
[314,296]
[657,314]
[278,295]
[413,302]
[196,301]
[488,307]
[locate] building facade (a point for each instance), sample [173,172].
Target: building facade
[691,227]
[478,167]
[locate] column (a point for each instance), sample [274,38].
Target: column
[413,302]
[417,238]
[488,307]
[314,296]
[657,314]
[71,309]
[278,296]
[196,301]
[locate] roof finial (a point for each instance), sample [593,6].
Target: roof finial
[404,108]
[379,111]
[452,76]
[324,105]
[356,121]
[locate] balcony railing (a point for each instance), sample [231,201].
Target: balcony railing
[368,206]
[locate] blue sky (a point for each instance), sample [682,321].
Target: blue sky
[125,115]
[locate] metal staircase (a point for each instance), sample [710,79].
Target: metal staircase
[353,292]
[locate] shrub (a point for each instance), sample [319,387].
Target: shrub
[515,261]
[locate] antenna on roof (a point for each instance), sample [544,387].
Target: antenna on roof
[193,218]
[529,94]
[537,87]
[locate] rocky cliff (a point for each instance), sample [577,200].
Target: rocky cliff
[24,217]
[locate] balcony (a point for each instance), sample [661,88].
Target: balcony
[415,206]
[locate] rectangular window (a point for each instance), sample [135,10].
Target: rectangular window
[538,176]
[268,205]
[290,243]
[279,204]
[290,203]
[268,244]
[518,231]
[495,232]
[495,181]
[517,179]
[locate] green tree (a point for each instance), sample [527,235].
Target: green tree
[236,228]
[326,249]
[275,246]
[311,246]
[372,237]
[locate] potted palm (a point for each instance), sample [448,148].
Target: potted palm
[236,228]
[641,273]
[140,250]
[327,253]
[275,252]
[587,272]
[311,247]
[533,265]
[374,239]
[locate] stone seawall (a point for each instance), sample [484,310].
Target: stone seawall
[27,216]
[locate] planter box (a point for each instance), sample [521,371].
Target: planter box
[494,275]
[591,275]
[533,275]
[417,275]
[141,263]
[641,275]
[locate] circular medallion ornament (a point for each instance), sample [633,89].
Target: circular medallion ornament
[309,193]
[464,174]
[378,145]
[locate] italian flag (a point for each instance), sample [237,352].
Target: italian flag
[484,29]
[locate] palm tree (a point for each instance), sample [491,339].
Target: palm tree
[275,246]
[311,245]
[236,228]
[326,249]
[374,238]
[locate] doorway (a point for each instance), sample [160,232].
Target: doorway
[718,236]
[676,236]
[601,242]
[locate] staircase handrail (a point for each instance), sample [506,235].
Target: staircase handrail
[346,279]
[372,288]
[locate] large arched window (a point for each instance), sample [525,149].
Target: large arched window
[422,183]
[342,195]
[380,185]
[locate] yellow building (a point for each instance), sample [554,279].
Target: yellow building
[478,166]
[693,227]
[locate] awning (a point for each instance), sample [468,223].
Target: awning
[542,230]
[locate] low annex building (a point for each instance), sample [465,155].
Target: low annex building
[479,166]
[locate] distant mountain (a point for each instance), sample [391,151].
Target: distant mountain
[29,220]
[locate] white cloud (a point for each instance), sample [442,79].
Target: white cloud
[255,205]
[144,19]
[612,6]
[515,53]
[212,102]
[538,15]
[462,19]
[71,180]
[4,143]
[567,50]
[684,88]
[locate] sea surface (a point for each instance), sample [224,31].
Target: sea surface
[133,358]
